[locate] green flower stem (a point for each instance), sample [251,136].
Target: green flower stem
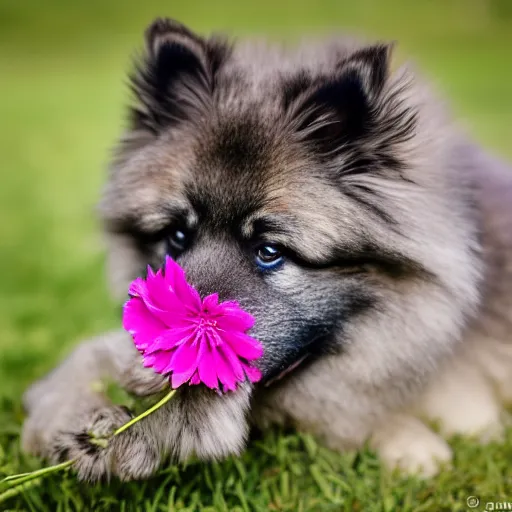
[151,410]
[22,481]
[26,477]
[14,491]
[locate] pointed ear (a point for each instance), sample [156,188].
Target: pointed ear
[174,79]
[340,108]
[371,65]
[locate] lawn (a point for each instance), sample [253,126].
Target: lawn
[62,91]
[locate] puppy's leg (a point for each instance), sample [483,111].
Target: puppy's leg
[57,401]
[401,441]
[346,413]
[404,442]
[494,358]
[463,401]
[67,407]
[196,421]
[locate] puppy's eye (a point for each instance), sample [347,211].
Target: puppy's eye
[269,257]
[176,241]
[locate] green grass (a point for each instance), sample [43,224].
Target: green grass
[62,90]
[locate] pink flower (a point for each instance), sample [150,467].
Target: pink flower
[188,338]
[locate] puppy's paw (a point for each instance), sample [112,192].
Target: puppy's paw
[464,402]
[409,445]
[53,413]
[143,381]
[98,455]
[33,434]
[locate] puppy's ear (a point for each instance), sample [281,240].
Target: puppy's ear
[371,65]
[341,108]
[174,80]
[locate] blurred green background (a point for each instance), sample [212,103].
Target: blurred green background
[62,91]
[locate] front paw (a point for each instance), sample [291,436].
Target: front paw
[407,444]
[98,454]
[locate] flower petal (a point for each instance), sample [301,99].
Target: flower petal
[253,373]
[224,371]
[243,345]
[172,315]
[183,363]
[159,299]
[172,272]
[210,302]
[140,323]
[178,379]
[206,367]
[232,360]
[193,301]
[194,380]
[159,361]
[235,319]
[148,361]
[138,288]
[162,297]
[176,280]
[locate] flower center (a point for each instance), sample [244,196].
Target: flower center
[207,330]
[205,323]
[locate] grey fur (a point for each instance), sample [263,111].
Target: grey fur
[402,278]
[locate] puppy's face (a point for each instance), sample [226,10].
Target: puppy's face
[272,180]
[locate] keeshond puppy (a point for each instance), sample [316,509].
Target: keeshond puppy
[333,197]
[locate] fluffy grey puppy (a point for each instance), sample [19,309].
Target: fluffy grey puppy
[336,201]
